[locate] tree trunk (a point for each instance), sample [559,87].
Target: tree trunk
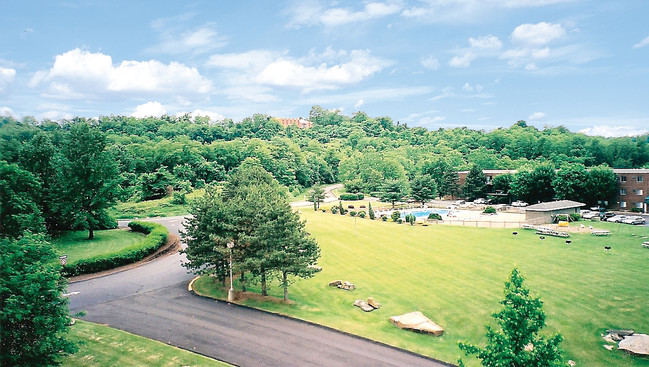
[285,285]
[91,233]
[264,292]
[243,281]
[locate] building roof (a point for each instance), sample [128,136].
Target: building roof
[630,170]
[554,205]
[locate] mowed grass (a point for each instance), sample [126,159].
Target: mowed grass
[153,208]
[104,346]
[76,245]
[455,276]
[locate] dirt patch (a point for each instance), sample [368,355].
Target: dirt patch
[242,296]
[171,247]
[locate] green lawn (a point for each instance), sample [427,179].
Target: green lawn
[104,346]
[77,246]
[153,208]
[455,276]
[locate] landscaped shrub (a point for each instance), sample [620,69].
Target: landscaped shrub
[334,209]
[348,196]
[434,216]
[156,237]
[575,217]
[384,218]
[179,198]
[371,212]
[361,214]
[395,215]
[352,213]
[399,220]
[636,210]
[324,210]
[489,210]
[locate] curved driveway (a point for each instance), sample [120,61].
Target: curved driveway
[152,300]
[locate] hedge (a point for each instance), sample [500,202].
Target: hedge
[156,237]
[358,196]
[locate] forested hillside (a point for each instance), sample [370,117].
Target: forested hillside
[144,157]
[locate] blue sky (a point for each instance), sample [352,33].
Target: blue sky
[583,64]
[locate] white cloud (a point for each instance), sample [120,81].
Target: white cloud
[613,131]
[465,11]
[313,13]
[430,120]
[78,73]
[6,111]
[200,40]
[7,76]
[253,59]
[149,109]
[462,61]
[642,43]
[537,116]
[469,88]
[430,63]
[537,34]
[359,104]
[486,42]
[356,66]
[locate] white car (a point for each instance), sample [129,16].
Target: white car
[587,214]
[519,203]
[634,220]
[616,218]
[480,201]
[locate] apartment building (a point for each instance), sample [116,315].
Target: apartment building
[634,189]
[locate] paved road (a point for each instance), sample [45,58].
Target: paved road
[329,196]
[152,300]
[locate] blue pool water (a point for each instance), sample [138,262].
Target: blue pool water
[423,213]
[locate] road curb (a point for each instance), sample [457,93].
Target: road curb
[322,326]
[190,286]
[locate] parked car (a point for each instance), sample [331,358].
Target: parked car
[606,215]
[519,203]
[588,214]
[616,218]
[480,201]
[633,220]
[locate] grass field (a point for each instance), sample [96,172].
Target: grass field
[104,346]
[77,246]
[153,208]
[456,275]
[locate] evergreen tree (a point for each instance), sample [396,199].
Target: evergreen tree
[34,317]
[423,188]
[393,191]
[370,211]
[451,183]
[474,185]
[316,196]
[517,343]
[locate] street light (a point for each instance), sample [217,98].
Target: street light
[231,291]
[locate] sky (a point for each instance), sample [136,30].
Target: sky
[482,64]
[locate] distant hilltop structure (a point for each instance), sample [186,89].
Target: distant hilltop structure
[299,122]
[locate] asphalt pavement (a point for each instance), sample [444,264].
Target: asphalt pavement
[152,300]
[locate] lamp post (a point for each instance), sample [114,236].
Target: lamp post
[231,291]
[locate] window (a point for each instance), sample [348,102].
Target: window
[622,178]
[637,192]
[638,205]
[622,204]
[622,191]
[639,178]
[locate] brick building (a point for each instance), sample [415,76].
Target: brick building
[633,189]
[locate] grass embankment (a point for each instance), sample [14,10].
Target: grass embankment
[104,346]
[455,276]
[77,246]
[153,208]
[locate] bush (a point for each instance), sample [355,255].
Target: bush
[636,210]
[384,218]
[361,214]
[434,216]
[352,213]
[575,217]
[399,220]
[334,209]
[179,198]
[324,210]
[489,210]
[351,196]
[395,215]
[156,237]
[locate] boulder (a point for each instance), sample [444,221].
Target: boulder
[373,303]
[363,305]
[416,321]
[336,283]
[619,332]
[636,344]
[347,286]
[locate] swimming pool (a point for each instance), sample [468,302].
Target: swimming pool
[423,213]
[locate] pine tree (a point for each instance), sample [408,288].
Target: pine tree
[474,185]
[517,343]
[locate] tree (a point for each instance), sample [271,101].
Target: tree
[570,182]
[423,188]
[156,184]
[86,176]
[450,183]
[393,191]
[474,185]
[370,211]
[517,343]
[34,317]
[316,196]
[601,185]
[19,210]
